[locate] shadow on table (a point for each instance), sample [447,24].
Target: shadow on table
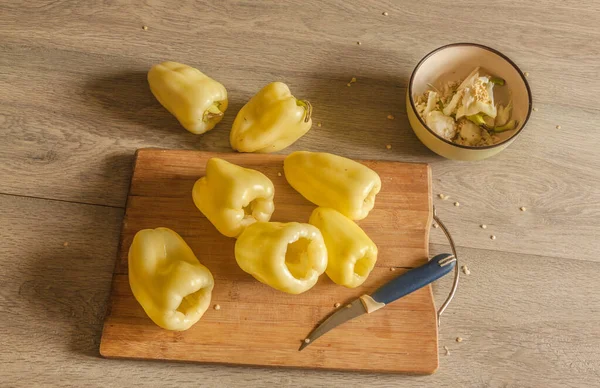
[361,118]
[126,96]
[66,285]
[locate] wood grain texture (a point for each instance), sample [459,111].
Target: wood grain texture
[74,106]
[258,325]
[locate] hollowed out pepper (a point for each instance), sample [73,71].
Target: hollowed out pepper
[233,197]
[333,181]
[195,99]
[167,279]
[289,257]
[272,120]
[351,253]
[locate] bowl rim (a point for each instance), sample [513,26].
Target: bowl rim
[507,59]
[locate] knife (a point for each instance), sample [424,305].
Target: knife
[393,290]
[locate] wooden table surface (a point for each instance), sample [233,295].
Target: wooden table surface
[75,105]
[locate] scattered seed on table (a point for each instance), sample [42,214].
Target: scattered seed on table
[319,124]
[558,127]
[338,304]
[435,225]
[392,269]
[278,174]
[217,307]
[385,14]
[443,197]
[390,117]
[466,270]
[526,74]
[348,84]
[535,109]
[523,208]
[145,28]
[389,146]
[447,350]
[353,80]
[358,43]
[456,204]
[349,306]
[493,237]
[483,226]
[458,339]
[307,340]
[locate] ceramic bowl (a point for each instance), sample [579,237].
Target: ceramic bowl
[454,62]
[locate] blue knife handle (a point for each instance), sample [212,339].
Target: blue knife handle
[414,279]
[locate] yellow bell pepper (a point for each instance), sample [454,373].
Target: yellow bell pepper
[272,120]
[351,253]
[166,278]
[333,181]
[289,257]
[233,197]
[195,99]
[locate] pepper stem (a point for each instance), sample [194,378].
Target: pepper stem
[308,107]
[213,111]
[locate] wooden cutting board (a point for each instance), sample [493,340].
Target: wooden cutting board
[256,324]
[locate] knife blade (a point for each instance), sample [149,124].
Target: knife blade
[393,290]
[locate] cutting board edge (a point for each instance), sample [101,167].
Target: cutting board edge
[406,372]
[149,149]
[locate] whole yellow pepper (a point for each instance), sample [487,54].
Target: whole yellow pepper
[333,181]
[195,99]
[351,253]
[272,120]
[167,279]
[289,257]
[233,197]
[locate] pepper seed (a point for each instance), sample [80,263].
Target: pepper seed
[307,340]
[456,204]
[217,307]
[385,14]
[483,226]
[390,117]
[459,339]
[466,270]
[492,237]
[558,127]
[389,146]
[435,225]
[523,208]
[337,305]
[145,28]
[526,74]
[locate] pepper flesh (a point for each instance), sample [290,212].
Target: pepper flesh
[233,197]
[195,99]
[289,257]
[333,181]
[167,279]
[272,120]
[351,253]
